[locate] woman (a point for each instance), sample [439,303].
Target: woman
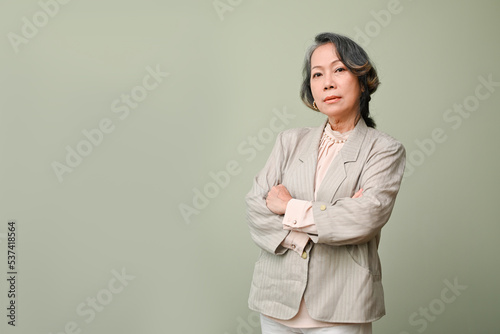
[317,207]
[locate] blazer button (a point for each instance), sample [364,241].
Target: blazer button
[323,207]
[304,255]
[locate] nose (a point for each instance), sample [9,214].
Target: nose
[329,82]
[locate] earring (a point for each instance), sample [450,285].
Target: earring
[315,106]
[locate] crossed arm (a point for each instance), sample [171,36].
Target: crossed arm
[278,201]
[278,197]
[345,221]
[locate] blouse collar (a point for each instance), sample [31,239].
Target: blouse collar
[335,136]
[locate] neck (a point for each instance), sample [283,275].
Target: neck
[344,125]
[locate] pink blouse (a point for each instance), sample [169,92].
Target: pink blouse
[300,221]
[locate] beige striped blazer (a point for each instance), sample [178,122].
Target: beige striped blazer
[340,278]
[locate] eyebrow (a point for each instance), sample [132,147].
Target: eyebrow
[333,62]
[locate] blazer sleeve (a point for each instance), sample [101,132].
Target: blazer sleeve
[358,220]
[266,228]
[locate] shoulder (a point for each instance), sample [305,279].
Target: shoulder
[296,132]
[382,140]
[295,138]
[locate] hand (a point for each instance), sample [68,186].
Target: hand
[277,199]
[358,194]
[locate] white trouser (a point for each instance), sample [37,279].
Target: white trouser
[270,326]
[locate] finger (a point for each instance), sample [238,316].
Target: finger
[358,194]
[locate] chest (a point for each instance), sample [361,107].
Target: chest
[342,179]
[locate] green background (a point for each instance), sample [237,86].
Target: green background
[119,209]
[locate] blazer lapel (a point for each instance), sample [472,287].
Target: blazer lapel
[336,172]
[309,161]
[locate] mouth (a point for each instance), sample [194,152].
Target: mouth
[331,99]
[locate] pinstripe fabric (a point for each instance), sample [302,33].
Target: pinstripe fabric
[341,276]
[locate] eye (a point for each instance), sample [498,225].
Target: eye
[315,75]
[340,69]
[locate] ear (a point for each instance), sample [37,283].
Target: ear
[362,86]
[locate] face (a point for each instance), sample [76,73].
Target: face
[335,89]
